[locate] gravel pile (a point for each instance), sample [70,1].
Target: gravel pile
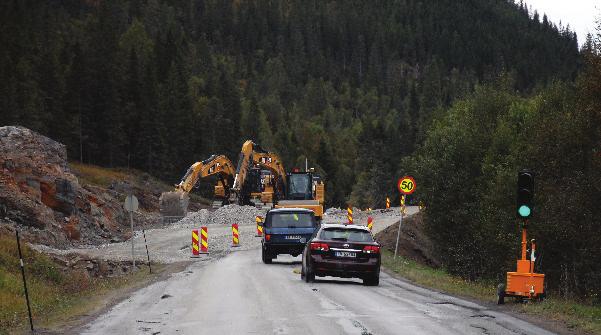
[226,215]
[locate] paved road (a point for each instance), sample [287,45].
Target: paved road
[238,294]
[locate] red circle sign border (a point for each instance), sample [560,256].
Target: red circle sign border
[399,185]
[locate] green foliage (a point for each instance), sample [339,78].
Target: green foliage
[468,166]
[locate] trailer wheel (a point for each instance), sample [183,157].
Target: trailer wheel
[501,294]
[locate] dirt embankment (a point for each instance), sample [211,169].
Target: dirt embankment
[414,243]
[61,207]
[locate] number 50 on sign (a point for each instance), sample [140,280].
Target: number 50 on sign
[406,185]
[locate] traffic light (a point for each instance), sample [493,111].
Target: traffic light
[525,193]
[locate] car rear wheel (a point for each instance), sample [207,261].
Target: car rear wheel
[372,280]
[266,256]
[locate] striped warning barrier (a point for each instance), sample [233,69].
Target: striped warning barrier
[204,240]
[370,223]
[349,215]
[259,220]
[235,235]
[387,202]
[195,251]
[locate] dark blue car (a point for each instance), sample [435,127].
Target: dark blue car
[286,231]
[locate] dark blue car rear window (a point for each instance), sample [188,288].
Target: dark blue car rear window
[286,220]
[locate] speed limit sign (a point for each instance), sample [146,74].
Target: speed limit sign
[406,185]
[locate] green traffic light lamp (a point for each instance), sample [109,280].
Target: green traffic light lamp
[524,211]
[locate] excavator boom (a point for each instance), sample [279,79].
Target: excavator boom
[175,203]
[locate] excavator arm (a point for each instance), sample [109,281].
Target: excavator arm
[214,165]
[175,203]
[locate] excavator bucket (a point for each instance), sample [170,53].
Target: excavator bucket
[174,204]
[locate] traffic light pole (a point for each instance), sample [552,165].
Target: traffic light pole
[524,239]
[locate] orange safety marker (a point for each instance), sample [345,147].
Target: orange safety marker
[387,202]
[204,240]
[235,235]
[370,223]
[259,219]
[349,215]
[195,243]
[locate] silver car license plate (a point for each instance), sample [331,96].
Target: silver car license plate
[345,254]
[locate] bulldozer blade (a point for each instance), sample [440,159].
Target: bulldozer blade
[174,204]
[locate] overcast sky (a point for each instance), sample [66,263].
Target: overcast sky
[579,14]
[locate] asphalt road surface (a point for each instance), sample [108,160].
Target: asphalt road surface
[238,294]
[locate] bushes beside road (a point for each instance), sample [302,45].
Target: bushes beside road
[467,170]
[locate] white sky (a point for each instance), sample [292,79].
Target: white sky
[579,14]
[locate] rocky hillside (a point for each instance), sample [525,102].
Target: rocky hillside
[62,207]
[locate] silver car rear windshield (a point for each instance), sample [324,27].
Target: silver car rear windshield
[287,220]
[344,234]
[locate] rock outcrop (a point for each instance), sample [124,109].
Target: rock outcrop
[39,193]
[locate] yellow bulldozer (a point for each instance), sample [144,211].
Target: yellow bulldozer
[175,203]
[304,190]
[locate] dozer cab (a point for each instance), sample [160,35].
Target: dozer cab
[175,203]
[304,190]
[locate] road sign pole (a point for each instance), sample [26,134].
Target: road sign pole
[133,259]
[131,205]
[398,234]
[406,186]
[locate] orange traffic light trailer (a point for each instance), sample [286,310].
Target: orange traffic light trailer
[523,283]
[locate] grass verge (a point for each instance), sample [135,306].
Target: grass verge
[99,176]
[574,315]
[58,296]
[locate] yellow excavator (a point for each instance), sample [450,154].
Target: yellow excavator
[274,180]
[175,203]
[249,179]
